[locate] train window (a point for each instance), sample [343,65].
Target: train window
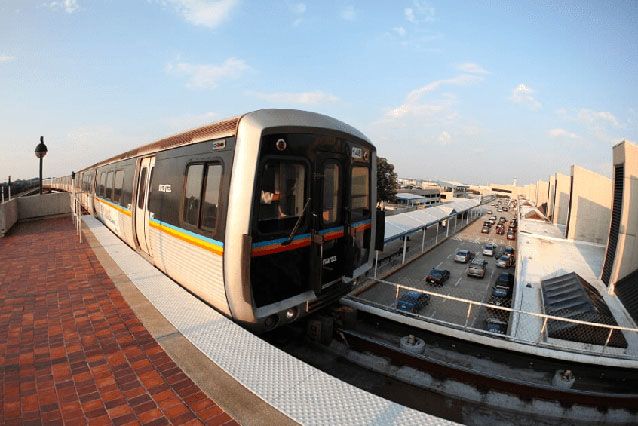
[331,194]
[360,193]
[142,187]
[282,196]
[210,204]
[193,193]
[108,192]
[100,188]
[117,189]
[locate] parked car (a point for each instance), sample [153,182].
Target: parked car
[511,236]
[509,251]
[412,301]
[489,212]
[502,219]
[499,209]
[463,256]
[505,208]
[485,229]
[487,223]
[493,219]
[437,276]
[495,325]
[489,249]
[477,268]
[504,279]
[500,229]
[505,261]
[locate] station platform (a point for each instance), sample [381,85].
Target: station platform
[71,348]
[93,331]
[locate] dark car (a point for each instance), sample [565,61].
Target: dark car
[412,301]
[437,276]
[505,209]
[487,223]
[511,236]
[495,325]
[500,229]
[485,229]
[504,279]
[508,251]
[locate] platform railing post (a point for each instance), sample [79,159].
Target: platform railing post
[436,238]
[405,244]
[423,240]
[467,317]
[396,297]
[611,330]
[376,262]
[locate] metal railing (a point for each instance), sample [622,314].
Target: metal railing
[535,329]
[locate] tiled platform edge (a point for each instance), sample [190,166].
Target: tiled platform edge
[299,391]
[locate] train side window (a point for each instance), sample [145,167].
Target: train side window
[142,189]
[108,193]
[100,188]
[193,193]
[117,189]
[360,193]
[331,194]
[210,205]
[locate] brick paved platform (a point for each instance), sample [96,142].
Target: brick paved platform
[72,350]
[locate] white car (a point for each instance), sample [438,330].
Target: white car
[489,249]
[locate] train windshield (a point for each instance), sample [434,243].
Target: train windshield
[282,195]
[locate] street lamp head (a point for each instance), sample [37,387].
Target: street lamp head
[41,150]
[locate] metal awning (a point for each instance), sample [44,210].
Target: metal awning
[405,223]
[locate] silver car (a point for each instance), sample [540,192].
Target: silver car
[477,268]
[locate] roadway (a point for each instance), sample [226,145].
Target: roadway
[459,285]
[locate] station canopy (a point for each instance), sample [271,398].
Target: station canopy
[406,223]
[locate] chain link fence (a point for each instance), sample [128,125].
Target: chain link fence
[495,318]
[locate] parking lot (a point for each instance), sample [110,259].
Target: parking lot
[459,284]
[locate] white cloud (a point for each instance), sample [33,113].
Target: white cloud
[207,76]
[69,6]
[304,98]
[348,13]
[6,58]
[523,94]
[207,13]
[445,138]
[191,121]
[298,10]
[597,118]
[420,12]
[412,105]
[472,68]
[400,31]
[562,133]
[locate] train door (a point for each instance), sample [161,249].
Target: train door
[141,204]
[329,221]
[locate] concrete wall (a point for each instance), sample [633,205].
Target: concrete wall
[8,216]
[590,211]
[550,199]
[626,260]
[44,205]
[542,187]
[561,200]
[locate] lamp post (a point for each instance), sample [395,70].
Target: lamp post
[40,151]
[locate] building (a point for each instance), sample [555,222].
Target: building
[542,195]
[561,199]
[589,206]
[621,258]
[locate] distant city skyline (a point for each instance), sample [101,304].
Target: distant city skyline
[473,92]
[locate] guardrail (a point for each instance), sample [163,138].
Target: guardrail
[535,329]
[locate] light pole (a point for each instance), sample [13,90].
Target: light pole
[40,151]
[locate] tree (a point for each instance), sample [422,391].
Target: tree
[387,183]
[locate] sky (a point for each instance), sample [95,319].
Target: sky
[476,92]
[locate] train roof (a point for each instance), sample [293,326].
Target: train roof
[228,127]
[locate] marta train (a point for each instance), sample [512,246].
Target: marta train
[266,216]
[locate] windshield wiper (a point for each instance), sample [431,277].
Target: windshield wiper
[296,227]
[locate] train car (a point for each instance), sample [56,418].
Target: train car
[267,216]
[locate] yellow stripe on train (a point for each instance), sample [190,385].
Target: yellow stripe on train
[189,239]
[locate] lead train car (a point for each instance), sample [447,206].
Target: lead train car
[266,217]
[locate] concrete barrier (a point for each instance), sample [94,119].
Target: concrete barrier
[8,215]
[43,205]
[31,207]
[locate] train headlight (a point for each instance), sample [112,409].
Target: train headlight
[291,314]
[281,145]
